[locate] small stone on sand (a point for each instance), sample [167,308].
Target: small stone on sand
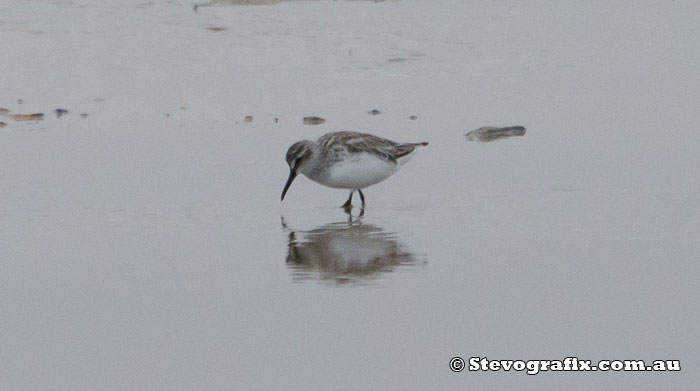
[60,112]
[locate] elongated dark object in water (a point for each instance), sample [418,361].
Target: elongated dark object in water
[488,133]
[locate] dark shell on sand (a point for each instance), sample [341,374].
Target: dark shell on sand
[313,120]
[488,133]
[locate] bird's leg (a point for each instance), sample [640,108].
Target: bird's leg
[362,197]
[348,203]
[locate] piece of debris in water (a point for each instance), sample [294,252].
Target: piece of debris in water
[20,101]
[277,120]
[60,112]
[374,112]
[488,133]
[4,111]
[413,117]
[27,117]
[248,118]
[313,120]
[217,29]
[83,115]
[2,124]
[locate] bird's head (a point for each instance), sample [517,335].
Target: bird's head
[297,154]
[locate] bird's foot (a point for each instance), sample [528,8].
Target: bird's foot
[348,204]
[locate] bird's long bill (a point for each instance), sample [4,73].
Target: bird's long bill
[292,175]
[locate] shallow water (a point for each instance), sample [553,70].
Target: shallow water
[143,245]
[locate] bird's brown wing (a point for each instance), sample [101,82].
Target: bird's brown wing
[355,142]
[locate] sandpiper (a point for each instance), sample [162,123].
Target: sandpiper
[347,160]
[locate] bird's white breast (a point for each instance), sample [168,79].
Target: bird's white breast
[358,171]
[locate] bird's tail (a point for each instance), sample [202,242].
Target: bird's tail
[405,151]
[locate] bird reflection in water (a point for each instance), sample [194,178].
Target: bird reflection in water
[345,252]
